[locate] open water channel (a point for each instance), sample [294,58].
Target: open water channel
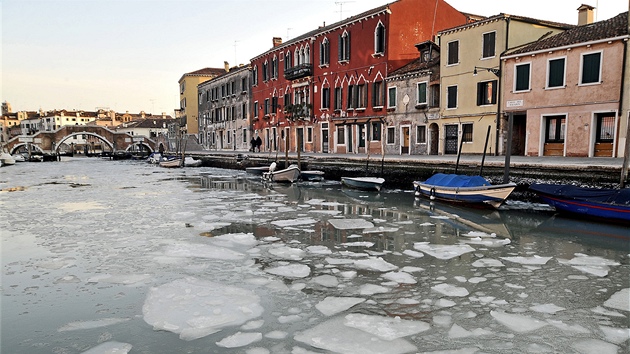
[118,256]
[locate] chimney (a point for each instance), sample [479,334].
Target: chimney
[277,41]
[585,14]
[226,65]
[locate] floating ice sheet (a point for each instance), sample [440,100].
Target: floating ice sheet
[332,305]
[350,224]
[386,328]
[450,290]
[294,222]
[518,323]
[239,339]
[443,251]
[110,348]
[103,322]
[619,300]
[194,308]
[533,260]
[290,270]
[198,250]
[375,264]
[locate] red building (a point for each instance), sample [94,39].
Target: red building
[325,91]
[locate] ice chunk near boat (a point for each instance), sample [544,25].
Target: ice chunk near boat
[375,264]
[333,305]
[533,260]
[619,300]
[443,251]
[335,336]
[290,270]
[386,328]
[518,323]
[195,308]
[450,290]
[350,224]
[110,347]
[239,339]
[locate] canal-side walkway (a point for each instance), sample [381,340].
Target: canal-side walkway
[602,171]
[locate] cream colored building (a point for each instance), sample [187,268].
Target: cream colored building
[471,80]
[188,99]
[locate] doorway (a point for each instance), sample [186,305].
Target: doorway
[519,134]
[325,138]
[404,137]
[434,136]
[450,139]
[604,134]
[300,139]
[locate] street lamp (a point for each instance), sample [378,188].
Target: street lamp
[495,71]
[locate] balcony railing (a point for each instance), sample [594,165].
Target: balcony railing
[298,71]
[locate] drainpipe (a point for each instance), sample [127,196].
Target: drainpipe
[500,88]
[626,158]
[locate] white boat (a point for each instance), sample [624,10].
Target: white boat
[363,183]
[19,158]
[463,189]
[7,159]
[257,171]
[154,158]
[191,162]
[171,162]
[287,175]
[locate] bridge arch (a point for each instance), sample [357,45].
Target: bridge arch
[141,144]
[100,137]
[17,147]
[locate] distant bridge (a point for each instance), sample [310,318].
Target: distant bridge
[50,142]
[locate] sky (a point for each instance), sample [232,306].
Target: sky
[128,55]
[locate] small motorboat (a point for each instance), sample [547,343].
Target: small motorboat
[288,175]
[19,158]
[363,183]
[601,204]
[171,162]
[312,175]
[154,158]
[7,159]
[463,189]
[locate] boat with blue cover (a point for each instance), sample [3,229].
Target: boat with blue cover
[602,204]
[463,189]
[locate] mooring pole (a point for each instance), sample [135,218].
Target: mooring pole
[508,152]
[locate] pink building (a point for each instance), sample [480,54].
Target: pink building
[565,91]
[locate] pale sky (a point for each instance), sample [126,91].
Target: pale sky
[128,55]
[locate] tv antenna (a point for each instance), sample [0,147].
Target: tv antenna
[340,3]
[235,61]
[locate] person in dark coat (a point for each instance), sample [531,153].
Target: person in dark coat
[253,143]
[258,143]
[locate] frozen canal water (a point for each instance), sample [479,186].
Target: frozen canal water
[116,257]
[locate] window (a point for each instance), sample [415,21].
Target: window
[376,131]
[522,77]
[555,126]
[274,105]
[245,135]
[453,53]
[266,108]
[324,52]
[555,73]
[287,61]
[233,87]
[391,97]
[421,134]
[265,71]
[489,40]
[377,94]
[233,112]
[351,94]
[182,87]
[244,84]
[390,135]
[486,93]
[244,110]
[274,68]
[255,75]
[338,96]
[451,97]
[434,95]
[325,97]
[309,134]
[341,135]
[422,93]
[287,99]
[591,68]
[467,133]
[379,39]
[361,96]
[344,47]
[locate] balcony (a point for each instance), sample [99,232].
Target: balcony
[298,71]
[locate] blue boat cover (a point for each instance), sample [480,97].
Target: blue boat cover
[567,191]
[452,180]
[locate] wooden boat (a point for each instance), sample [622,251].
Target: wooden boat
[257,171]
[191,162]
[171,162]
[600,204]
[363,183]
[7,159]
[463,189]
[312,175]
[287,175]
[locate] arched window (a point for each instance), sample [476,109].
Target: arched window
[379,39]
[287,61]
[324,52]
[344,46]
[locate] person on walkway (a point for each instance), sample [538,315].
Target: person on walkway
[258,143]
[253,143]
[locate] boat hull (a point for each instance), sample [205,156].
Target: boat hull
[312,175]
[289,175]
[257,171]
[171,163]
[363,183]
[563,202]
[493,195]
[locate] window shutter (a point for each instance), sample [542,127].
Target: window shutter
[348,47]
[340,48]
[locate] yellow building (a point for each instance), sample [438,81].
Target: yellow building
[188,99]
[471,77]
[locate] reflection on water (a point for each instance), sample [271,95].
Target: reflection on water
[80,266]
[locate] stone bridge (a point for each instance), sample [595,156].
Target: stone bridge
[49,142]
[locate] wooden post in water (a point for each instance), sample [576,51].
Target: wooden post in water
[485,147]
[459,152]
[508,152]
[626,157]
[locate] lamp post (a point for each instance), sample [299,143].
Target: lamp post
[495,71]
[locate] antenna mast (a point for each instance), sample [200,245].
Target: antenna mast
[340,3]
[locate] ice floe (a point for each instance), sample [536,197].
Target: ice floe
[400,277]
[533,260]
[332,305]
[239,339]
[546,308]
[518,323]
[443,251]
[386,328]
[103,322]
[294,222]
[195,308]
[592,346]
[290,270]
[350,224]
[186,250]
[110,348]
[619,300]
[374,264]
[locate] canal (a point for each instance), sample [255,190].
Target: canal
[106,256]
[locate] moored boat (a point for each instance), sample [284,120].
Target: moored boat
[463,189]
[19,158]
[602,204]
[171,162]
[287,175]
[257,171]
[312,175]
[7,159]
[363,183]
[191,162]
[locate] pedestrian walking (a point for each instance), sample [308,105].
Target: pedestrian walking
[258,143]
